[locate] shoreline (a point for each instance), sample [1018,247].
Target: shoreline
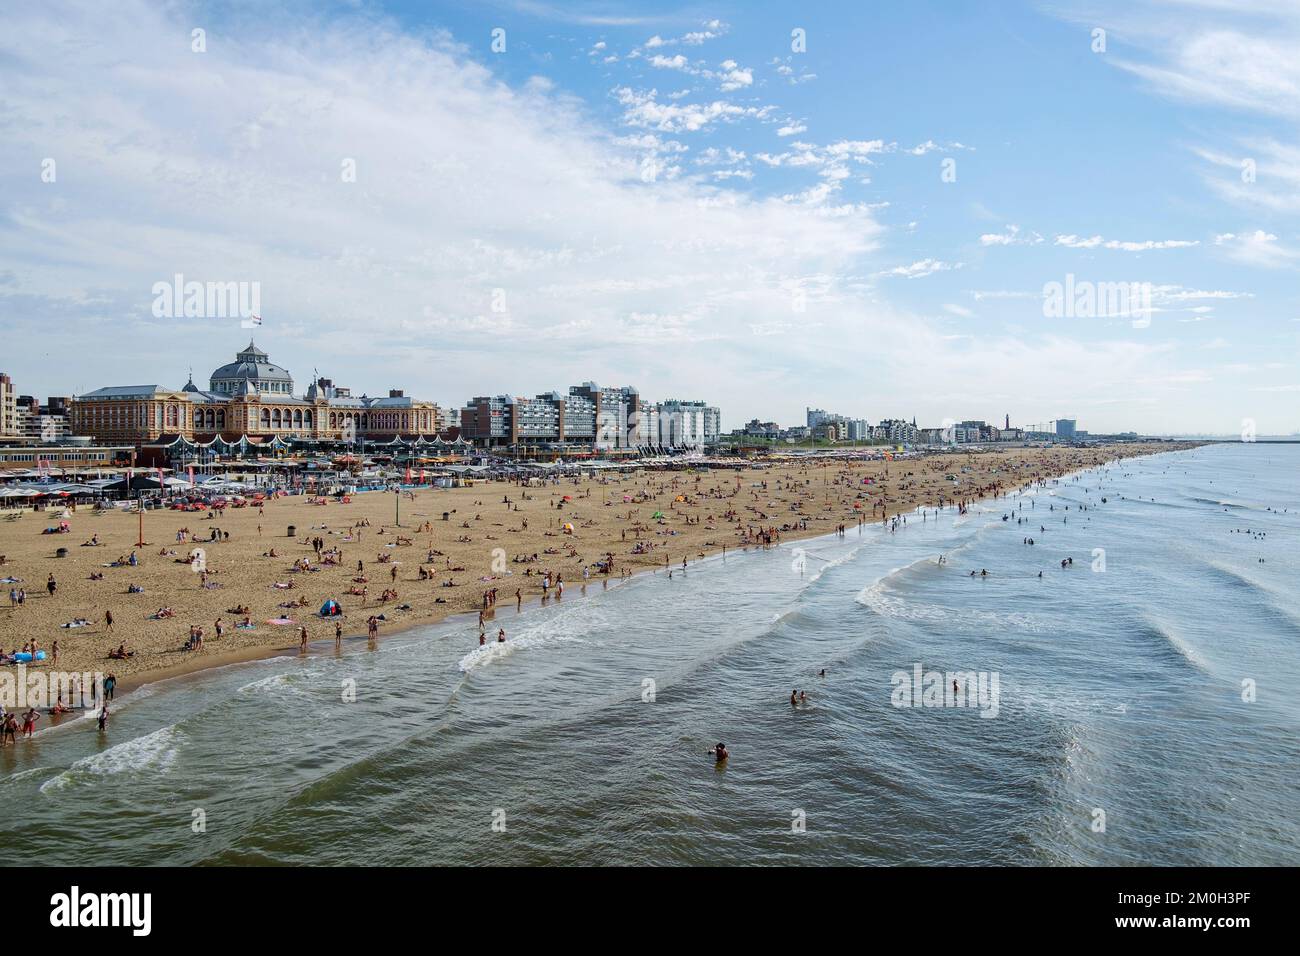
[533,602]
[908,500]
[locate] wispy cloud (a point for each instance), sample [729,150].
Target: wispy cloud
[1143,245]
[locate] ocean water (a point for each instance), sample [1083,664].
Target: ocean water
[1158,696]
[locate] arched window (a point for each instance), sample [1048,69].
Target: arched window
[334,420]
[275,418]
[306,418]
[266,418]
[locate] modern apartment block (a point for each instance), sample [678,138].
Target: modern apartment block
[9,427]
[589,416]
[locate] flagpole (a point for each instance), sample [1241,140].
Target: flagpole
[139,502]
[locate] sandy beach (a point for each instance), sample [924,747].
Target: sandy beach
[438,567]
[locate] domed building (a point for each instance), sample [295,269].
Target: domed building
[252,373]
[250,400]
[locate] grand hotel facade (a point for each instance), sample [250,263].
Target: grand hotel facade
[248,399]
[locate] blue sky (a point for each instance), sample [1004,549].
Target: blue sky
[670,196]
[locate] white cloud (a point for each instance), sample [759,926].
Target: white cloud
[921,269]
[1258,248]
[677,62]
[1263,173]
[1097,242]
[1227,67]
[734,76]
[1010,237]
[642,109]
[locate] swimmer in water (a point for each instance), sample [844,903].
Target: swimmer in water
[794,698]
[720,753]
[501,636]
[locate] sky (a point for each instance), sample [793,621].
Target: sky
[859,207]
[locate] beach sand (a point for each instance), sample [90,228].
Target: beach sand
[603,519]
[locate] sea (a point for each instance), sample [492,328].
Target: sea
[1138,704]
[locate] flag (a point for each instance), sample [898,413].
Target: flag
[191,469]
[408,474]
[161,483]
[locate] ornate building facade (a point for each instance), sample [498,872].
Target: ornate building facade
[248,397]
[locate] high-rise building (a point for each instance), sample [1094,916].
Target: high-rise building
[603,419]
[687,424]
[43,423]
[1065,427]
[9,427]
[816,416]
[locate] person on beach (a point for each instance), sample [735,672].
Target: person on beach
[103,719]
[29,721]
[338,634]
[110,685]
[108,622]
[51,585]
[302,638]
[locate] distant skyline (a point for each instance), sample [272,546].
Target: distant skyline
[767,206]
